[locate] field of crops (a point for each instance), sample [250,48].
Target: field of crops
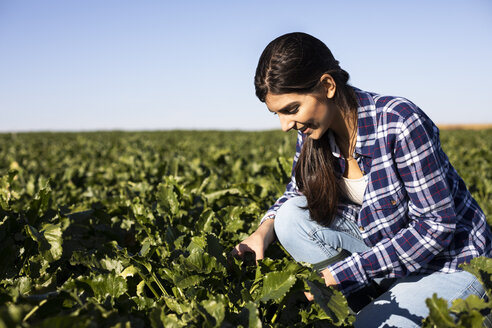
[133,229]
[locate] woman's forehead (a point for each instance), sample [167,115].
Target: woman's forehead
[276,102]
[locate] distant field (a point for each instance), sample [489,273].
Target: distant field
[465,126]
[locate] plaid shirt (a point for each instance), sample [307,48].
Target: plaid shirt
[417,214]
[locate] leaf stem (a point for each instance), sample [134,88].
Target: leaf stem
[148,285]
[180,291]
[159,284]
[255,286]
[34,309]
[280,307]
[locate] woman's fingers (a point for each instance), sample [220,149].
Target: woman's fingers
[253,244]
[329,280]
[258,255]
[309,296]
[234,252]
[241,249]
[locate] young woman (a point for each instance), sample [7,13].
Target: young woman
[372,194]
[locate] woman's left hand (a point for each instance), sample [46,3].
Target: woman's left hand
[329,280]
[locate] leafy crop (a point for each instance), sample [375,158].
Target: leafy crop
[134,230]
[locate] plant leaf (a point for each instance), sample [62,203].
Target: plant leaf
[438,313]
[331,302]
[275,286]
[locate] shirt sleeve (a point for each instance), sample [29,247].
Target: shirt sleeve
[421,165]
[291,189]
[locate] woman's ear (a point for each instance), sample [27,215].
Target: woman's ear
[329,85]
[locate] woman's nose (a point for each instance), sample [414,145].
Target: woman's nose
[286,123]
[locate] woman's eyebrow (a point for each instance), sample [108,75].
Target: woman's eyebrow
[287,107]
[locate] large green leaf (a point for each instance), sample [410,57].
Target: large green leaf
[105,285]
[176,306]
[201,262]
[216,195]
[438,313]
[472,302]
[249,316]
[53,235]
[168,198]
[481,267]
[49,240]
[216,307]
[275,286]
[471,319]
[40,203]
[332,302]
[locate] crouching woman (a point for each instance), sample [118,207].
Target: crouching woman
[373,197]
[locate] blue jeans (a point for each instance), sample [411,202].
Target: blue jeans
[403,302]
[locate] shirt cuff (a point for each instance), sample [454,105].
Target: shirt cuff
[349,274]
[267,216]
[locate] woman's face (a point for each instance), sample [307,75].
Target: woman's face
[312,114]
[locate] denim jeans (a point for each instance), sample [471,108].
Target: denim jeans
[403,302]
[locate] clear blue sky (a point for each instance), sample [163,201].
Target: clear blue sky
[120,64]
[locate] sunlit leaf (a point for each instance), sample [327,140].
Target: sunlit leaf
[275,286]
[438,313]
[249,316]
[53,235]
[332,302]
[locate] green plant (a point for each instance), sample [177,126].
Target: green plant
[134,229]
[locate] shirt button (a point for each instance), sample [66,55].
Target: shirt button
[393,202]
[361,228]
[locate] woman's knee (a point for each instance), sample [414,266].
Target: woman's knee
[289,217]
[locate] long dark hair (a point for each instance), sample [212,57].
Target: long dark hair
[294,63]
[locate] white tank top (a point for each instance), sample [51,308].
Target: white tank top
[354,189]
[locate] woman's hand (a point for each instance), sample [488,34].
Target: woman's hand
[329,280]
[257,242]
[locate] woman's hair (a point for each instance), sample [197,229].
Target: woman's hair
[294,63]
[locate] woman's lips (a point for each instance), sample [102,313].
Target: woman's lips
[305,129]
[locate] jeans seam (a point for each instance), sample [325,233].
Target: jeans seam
[481,294]
[323,245]
[470,285]
[314,231]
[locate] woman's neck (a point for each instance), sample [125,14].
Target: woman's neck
[345,130]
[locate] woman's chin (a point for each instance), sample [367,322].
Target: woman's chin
[315,134]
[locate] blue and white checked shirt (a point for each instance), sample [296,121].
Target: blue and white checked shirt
[417,214]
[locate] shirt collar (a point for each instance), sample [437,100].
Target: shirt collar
[333,144]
